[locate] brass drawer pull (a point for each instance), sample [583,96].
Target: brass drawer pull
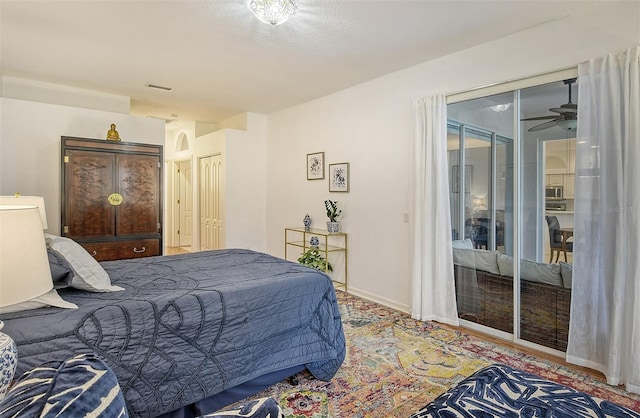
[94,253]
[136,250]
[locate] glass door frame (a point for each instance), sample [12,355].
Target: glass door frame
[518,202]
[494,139]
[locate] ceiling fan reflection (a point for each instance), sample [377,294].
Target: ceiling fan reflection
[567,117]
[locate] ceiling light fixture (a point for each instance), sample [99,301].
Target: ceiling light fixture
[273,12]
[501,107]
[163,88]
[166,120]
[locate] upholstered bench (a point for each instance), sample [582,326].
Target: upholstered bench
[501,391]
[84,386]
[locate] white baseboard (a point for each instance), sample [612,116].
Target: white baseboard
[377,299]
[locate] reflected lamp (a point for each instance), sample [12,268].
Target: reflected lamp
[479,203]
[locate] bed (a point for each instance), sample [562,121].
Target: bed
[191,333]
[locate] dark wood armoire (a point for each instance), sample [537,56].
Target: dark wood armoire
[112,197]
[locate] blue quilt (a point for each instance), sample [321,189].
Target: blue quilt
[190,326]
[502,391]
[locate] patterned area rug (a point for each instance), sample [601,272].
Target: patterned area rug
[395,365]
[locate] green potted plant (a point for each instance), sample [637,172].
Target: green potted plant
[312,258]
[332,213]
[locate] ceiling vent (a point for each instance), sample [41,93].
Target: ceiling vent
[155,86]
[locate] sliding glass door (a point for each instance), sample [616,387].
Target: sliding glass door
[481,140]
[500,222]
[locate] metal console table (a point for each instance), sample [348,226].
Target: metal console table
[329,242]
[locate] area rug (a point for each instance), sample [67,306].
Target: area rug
[395,365]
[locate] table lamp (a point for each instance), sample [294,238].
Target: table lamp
[24,272]
[18,199]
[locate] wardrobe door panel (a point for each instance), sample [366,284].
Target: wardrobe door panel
[138,183]
[89,182]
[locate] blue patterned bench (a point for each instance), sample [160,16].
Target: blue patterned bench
[84,386]
[501,391]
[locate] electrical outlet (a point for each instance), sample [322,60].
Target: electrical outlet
[406,217]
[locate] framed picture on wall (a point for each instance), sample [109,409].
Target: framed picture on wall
[455,178]
[339,177]
[315,166]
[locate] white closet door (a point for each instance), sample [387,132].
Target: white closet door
[211,222]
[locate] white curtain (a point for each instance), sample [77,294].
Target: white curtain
[433,287]
[605,304]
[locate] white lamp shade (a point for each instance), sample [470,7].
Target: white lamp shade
[24,264]
[28,201]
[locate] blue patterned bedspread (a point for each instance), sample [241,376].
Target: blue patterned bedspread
[192,325]
[501,391]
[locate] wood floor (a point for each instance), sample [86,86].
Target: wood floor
[547,254]
[526,350]
[176,250]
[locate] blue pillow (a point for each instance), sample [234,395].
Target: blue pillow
[257,408]
[80,386]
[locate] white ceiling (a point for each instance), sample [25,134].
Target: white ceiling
[221,61]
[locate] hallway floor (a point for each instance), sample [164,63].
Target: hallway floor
[176,250]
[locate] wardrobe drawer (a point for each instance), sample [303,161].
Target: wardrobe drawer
[117,250]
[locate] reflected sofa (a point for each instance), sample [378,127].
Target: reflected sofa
[484,294]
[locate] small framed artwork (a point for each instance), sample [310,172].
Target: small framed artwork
[339,177]
[315,166]
[455,178]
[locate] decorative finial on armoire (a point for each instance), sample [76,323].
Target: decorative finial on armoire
[112,134]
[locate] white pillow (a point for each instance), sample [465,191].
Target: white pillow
[541,272]
[566,271]
[88,274]
[463,243]
[476,259]
[531,270]
[51,298]
[505,264]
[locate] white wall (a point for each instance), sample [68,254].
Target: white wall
[30,145]
[371,126]
[37,91]
[246,185]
